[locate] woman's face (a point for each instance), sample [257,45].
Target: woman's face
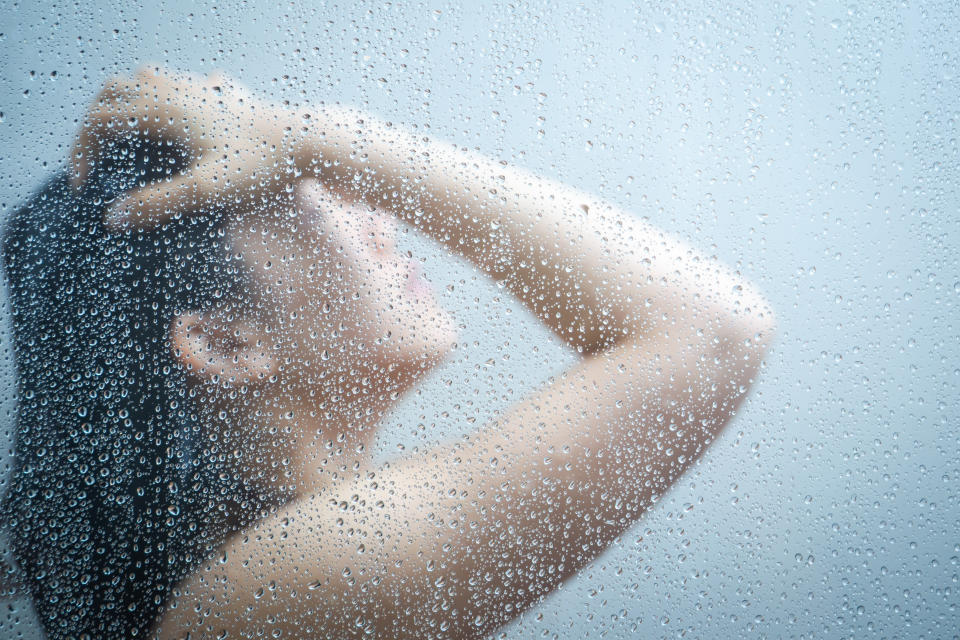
[338,296]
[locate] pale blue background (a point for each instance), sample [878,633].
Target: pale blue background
[811,144]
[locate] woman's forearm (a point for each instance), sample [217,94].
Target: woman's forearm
[592,273]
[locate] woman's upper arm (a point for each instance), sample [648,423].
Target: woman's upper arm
[499,520]
[462,538]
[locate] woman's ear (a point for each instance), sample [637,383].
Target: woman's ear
[224,352]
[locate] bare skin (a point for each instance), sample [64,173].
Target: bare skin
[455,541]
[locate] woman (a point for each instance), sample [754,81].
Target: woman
[202,371]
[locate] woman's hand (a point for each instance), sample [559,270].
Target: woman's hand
[242,148]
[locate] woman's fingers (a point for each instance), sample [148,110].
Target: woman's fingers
[150,104]
[98,120]
[235,144]
[203,185]
[184,193]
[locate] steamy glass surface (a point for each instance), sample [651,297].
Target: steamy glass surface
[812,147]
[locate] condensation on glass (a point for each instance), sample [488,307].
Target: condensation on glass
[479,319]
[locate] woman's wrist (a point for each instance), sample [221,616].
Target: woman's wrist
[324,139]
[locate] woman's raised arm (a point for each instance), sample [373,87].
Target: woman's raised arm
[594,274]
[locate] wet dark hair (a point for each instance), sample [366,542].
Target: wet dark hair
[115,497]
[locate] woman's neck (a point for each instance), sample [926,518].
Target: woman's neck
[294,442]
